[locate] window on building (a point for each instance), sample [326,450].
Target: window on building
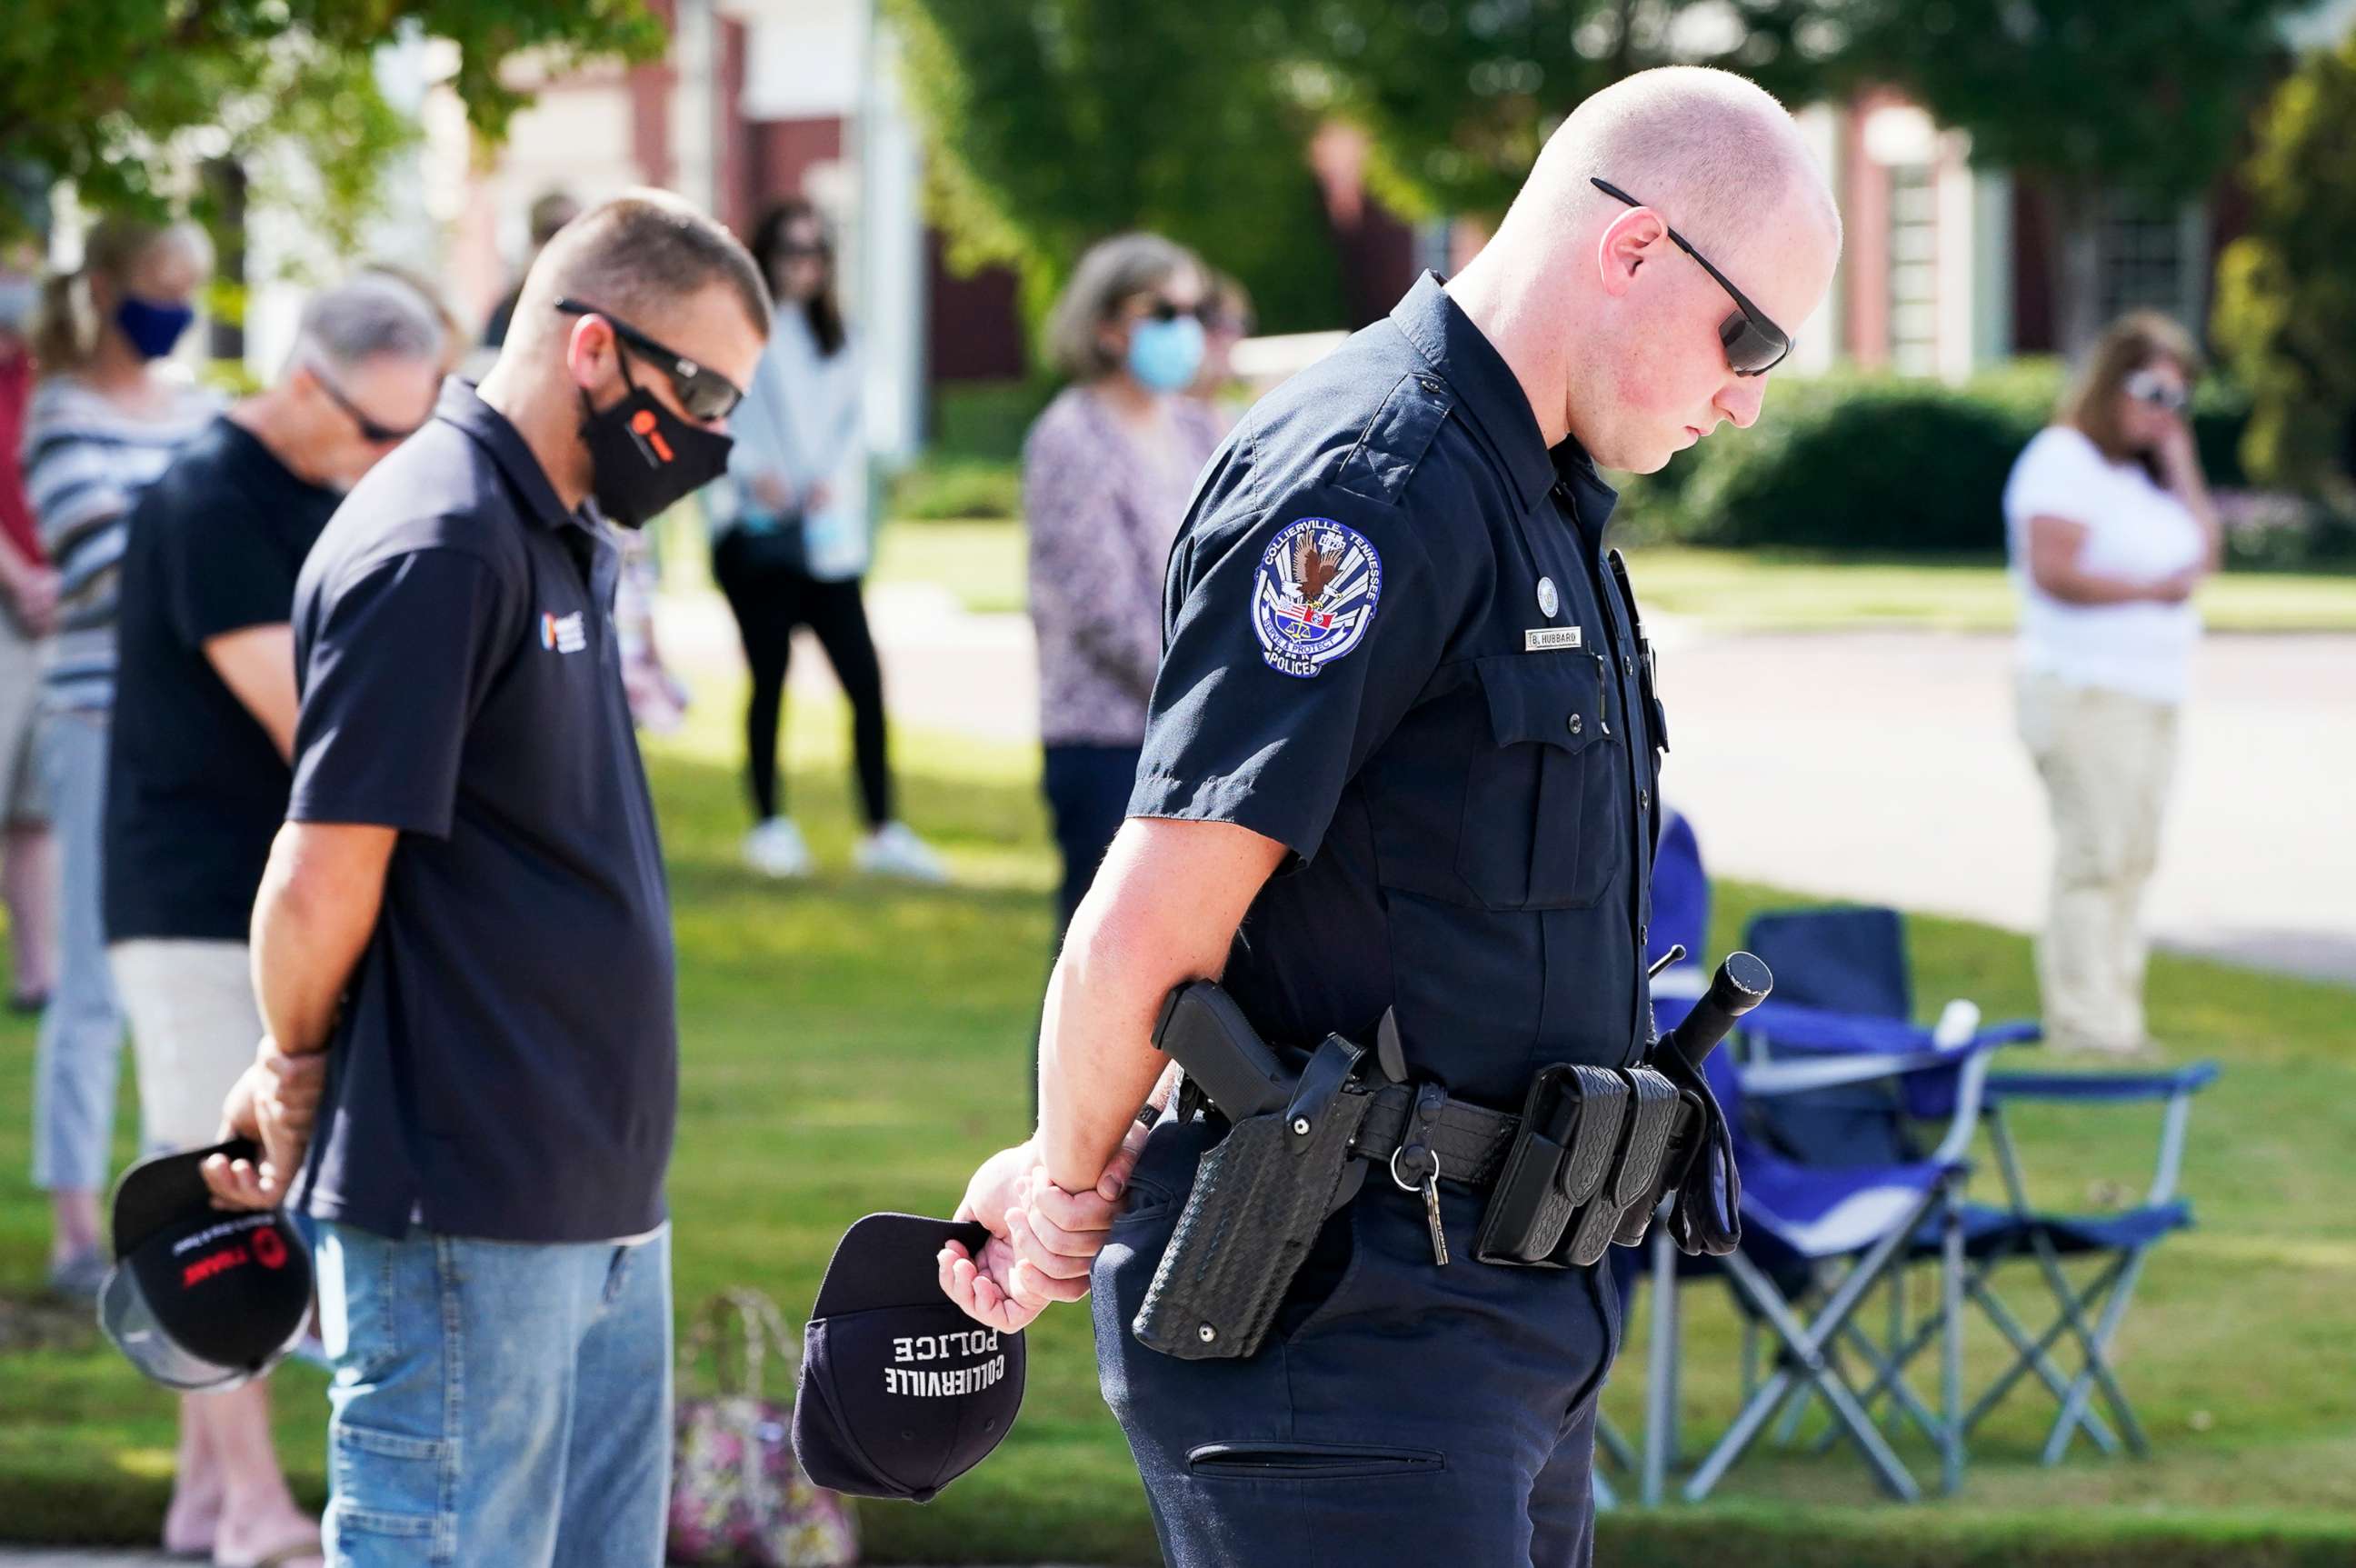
[1913,270]
[2152,258]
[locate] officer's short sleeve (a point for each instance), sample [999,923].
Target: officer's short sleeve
[1298,637]
[394,667]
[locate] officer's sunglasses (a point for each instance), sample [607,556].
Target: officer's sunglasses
[705,393]
[1754,345]
[371,431]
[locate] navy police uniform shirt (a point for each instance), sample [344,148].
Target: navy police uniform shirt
[1396,644]
[505,1064]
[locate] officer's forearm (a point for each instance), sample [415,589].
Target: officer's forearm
[1163,910]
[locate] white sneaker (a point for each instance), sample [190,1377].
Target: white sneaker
[892,851]
[776,849]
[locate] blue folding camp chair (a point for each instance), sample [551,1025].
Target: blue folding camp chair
[1853,960]
[1801,1219]
[2118,1241]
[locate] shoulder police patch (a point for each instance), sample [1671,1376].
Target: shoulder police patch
[1314,595]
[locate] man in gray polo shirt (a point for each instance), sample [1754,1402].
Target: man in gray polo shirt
[466,911]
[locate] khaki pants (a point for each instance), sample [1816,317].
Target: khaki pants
[194,1029]
[2106,759]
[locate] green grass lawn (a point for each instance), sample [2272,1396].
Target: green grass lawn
[850,1047]
[1729,590]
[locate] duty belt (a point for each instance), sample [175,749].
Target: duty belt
[1586,1163]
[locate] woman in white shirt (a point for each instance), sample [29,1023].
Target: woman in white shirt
[790,544]
[2110,529]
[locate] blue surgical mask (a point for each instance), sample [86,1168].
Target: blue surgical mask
[1165,355]
[17,298]
[152,328]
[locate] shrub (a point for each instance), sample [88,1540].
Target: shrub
[1859,461]
[941,489]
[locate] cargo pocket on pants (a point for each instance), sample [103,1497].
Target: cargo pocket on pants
[388,1488]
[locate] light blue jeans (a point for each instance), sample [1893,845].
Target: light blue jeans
[495,1402]
[80,1052]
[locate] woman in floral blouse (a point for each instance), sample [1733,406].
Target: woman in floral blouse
[1106,473]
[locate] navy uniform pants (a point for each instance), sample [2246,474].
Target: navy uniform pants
[1399,1413]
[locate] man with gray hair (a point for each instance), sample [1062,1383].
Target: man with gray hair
[198,775]
[1399,788]
[465,911]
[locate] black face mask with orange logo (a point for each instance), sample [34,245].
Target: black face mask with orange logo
[643,456]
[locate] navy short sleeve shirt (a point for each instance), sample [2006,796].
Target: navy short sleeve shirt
[506,1065]
[1396,643]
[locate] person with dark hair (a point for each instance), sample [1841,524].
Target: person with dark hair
[550,210]
[790,542]
[466,910]
[108,415]
[2111,529]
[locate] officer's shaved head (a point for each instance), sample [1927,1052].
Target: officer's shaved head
[1593,304]
[1713,151]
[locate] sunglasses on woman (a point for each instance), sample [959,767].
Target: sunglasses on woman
[1165,311]
[1754,345]
[705,393]
[2158,392]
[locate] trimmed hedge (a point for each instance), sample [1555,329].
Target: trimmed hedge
[1863,461]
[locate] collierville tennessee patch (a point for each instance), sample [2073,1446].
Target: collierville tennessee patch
[1314,595]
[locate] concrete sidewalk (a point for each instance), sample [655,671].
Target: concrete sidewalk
[1875,766]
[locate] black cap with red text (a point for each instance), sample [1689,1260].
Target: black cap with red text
[200,1299]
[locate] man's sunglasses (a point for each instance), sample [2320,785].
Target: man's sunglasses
[1754,345]
[370,430]
[2158,392]
[706,394]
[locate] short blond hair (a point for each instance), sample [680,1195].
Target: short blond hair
[1112,271]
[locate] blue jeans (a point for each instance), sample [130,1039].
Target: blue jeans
[80,1052]
[495,1402]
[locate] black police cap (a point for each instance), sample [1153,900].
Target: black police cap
[200,1298]
[901,1392]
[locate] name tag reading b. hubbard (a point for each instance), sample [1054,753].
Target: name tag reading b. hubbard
[1543,639]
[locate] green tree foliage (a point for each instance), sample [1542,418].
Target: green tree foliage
[123,96]
[1053,123]
[1459,97]
[2285,313]
[2151,97]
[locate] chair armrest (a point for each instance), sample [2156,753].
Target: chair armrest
[2102,1087]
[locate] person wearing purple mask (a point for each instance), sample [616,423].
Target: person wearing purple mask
[107,417]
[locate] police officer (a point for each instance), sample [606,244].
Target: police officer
[1403,755]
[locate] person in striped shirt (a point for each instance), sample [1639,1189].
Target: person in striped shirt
[106,418]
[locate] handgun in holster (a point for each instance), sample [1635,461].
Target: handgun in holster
[1586,1163]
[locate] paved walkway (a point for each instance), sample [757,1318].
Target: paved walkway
[1878,766]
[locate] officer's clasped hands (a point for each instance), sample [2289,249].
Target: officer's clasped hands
[1042,1238]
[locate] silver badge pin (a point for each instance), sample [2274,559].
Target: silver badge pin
[1548,600]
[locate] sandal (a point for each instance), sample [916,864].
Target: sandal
[313,1545]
